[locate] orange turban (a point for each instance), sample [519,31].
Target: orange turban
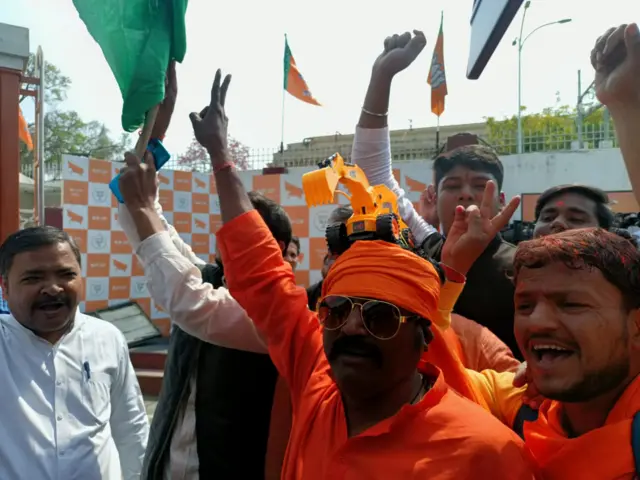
[384,271]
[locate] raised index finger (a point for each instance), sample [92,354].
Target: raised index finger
[150,160]
[215,90]
[501,220]
[224,88]
[486,206]
[131,159]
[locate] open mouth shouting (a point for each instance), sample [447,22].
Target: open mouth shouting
[52,307]
[547,353]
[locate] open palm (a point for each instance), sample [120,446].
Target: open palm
[474,228]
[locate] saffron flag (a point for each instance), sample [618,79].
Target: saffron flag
[294,82]
[138,39]
[23,130]
[437,78]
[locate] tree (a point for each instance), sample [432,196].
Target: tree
[64,130]
[57,84]
[552,129]
[197,159]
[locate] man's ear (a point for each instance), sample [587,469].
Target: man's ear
[501,199]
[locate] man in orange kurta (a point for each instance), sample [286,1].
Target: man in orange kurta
[578,324]
[363,408]
[441,435]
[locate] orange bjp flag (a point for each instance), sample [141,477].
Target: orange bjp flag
[23,130]
[294,82]
[437,78]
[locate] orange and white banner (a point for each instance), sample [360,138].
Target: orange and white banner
[111,271]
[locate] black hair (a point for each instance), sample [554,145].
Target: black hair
[478,158]
[296,241]
[341,214]
[274,216]
[612,252]
[603,213]
[30,239]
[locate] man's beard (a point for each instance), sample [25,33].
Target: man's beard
[595,384]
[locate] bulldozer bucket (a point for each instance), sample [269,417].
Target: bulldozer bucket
[319,186]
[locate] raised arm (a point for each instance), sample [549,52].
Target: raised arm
[371,144]
[173,280]
[255,270]
[616,59]
[130,228]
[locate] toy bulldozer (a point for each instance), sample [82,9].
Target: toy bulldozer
[375,208]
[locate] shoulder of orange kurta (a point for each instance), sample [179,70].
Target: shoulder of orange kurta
[504,400]
[482,349]
[264,285]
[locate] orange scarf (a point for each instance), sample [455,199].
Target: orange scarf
[602,454]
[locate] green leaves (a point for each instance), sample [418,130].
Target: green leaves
[65,131]
[550,130]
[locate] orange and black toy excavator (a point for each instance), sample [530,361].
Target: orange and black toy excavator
[375,208]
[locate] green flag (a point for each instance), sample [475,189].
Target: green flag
[138,39]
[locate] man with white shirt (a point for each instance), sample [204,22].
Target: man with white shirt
[71,407]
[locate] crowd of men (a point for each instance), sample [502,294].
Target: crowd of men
[461,356]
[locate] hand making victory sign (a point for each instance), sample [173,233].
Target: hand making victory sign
[473,229]
[210,125]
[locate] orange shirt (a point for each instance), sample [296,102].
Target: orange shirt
[442,437]
[480,349]
[601,454]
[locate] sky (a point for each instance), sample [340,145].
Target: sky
[334,43]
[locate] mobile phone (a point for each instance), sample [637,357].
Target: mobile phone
[160,156]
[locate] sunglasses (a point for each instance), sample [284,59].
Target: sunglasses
[381,319]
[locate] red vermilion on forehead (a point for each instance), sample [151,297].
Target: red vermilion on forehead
[560,204]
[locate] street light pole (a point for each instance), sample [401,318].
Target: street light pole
[520,43]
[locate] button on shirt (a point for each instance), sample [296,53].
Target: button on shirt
[70,411]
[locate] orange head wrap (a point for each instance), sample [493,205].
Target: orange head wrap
[381,270]
[384,271]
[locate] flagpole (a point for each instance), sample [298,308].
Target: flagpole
[284,92]
[438,136]
[282,124]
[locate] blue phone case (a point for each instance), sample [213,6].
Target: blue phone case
[161,157]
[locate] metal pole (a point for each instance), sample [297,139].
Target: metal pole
[579,111]
[520,43]
[520,149]
[40,135]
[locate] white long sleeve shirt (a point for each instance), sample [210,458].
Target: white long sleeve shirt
[175,283]
[209,314]
[372,152]
[70,411]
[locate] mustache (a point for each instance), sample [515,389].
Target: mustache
[48,300]
[355,344]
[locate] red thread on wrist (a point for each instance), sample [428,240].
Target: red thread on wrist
[222,166]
